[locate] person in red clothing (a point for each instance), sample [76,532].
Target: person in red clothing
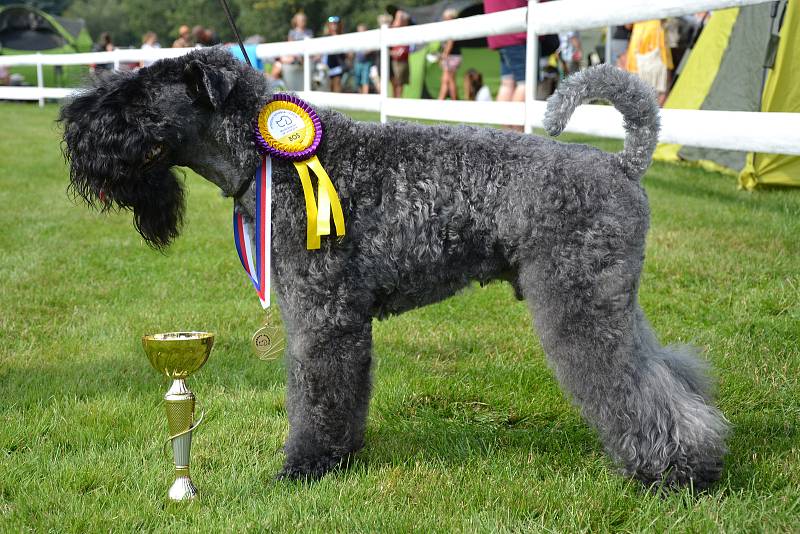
[511,47]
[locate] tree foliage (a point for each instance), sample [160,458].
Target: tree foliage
[54,7]
[128,20]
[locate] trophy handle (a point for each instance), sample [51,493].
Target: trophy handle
[190,429]
[180,403]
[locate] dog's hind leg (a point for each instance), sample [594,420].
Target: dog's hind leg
[328,388]
[650,404]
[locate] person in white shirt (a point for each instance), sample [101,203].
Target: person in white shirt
[149,42]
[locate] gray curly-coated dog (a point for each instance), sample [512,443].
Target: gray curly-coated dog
[428,209]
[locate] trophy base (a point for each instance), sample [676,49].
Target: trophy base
[183,489]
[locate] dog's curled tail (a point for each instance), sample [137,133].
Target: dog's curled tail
[631,96]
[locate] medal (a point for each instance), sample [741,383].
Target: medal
[253,245]
[268,341]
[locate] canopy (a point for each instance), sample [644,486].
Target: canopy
[24,29]
[742,62]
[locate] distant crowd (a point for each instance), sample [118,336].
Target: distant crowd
[652,49]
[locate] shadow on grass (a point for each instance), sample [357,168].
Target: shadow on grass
[759,446]
[566,445]
[453,429]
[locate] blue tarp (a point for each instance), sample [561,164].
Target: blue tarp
[251,53]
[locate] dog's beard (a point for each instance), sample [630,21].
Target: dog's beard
[158,208]
[155,196]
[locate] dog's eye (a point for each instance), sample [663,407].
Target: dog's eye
[154,154]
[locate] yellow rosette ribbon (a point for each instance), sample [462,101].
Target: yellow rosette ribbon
[288,128]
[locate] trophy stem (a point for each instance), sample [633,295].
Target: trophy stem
[180,403]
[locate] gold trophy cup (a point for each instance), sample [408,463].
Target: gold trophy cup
[177,355]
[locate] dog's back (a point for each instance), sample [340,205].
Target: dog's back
[440,206]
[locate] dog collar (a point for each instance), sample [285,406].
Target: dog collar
[243,187]
[288,128]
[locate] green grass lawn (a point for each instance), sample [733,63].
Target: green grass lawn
[467,428]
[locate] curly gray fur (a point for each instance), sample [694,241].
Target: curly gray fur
[607,82]
[428,210]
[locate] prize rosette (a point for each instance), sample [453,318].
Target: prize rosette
[288,128]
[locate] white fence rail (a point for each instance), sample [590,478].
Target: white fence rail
[749,131]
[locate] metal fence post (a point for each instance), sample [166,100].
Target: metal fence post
[306,66]
[609,33]
[40,79]
[531,68]
[384,88]
[116,60]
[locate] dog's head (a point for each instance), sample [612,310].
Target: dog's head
[126,130]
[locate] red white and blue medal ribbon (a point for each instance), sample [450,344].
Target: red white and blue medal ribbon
[254,242]
[289,129]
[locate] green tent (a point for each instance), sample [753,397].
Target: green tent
[425,76]
[27,30]
[743,61]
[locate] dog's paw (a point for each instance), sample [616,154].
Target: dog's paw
[308,469]
[700,476]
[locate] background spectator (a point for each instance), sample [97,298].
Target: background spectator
[450,61]
[649,57]
[184,39]
[619,44]
[570,51]
[363,63]
[690,28]
[297,32]
[474,88]
[384,19]
[104,44]
[299,29]
[511,47]
[204,36]
[336,62]
[149,42]
[399,56]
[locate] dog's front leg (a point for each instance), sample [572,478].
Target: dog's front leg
[328,389]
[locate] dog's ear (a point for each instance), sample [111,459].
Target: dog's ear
[206,85]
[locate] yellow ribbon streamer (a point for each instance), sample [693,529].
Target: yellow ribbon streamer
[312,239]
[327,204]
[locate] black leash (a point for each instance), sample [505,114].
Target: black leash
[235,30]
[244,186]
